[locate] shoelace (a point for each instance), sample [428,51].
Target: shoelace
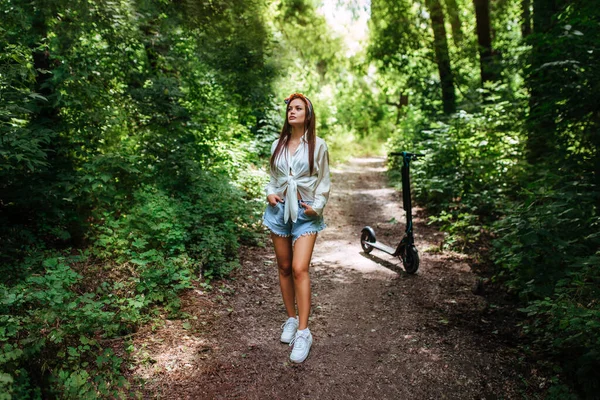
[301,343]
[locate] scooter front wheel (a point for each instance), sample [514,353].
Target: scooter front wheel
[410,259]
[367,235]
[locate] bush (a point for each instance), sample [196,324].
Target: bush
[471,167]
[51,333]
[54,323]
[547,252]
[543,224]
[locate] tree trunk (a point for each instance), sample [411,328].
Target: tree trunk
[543,11]
[484,40]
[541,123]
[46,115]
[440,44]
[452,10]
[60,149]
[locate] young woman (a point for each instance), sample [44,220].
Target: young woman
[297,194]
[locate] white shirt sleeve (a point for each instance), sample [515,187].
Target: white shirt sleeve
[271,187]
[323,180]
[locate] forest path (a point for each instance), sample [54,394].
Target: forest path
[378,332]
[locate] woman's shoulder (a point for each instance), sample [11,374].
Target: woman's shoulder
[319,142]
[274,145]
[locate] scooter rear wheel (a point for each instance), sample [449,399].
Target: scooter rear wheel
[410,259]
[368,236]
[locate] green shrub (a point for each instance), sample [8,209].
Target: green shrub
[547,252]
[543,223]
[51,331]
[471,166]
[203,224]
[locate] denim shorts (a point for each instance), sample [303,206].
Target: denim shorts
[304,225]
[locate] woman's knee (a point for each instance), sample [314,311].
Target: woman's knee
[300,270]
[285,269]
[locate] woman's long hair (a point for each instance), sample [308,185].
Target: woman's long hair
[309,129]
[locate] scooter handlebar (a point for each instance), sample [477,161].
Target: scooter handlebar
[412,156]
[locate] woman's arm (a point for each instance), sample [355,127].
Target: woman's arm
[323,180]
[271,187]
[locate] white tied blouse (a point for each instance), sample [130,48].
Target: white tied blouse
[292,172]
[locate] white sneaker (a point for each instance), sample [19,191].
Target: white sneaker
[301,342]
[289,329]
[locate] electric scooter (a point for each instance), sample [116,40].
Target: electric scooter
[406,250]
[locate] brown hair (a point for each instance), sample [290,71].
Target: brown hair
[309,129]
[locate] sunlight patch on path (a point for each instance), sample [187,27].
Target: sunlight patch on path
[345,254]
[361,165]
[358,199]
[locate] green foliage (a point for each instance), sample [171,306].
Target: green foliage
[159,225]
[521,167]
[556,216]
[564,80]
[132,130]
[137,131]
[311,49]
[547,249]
[471,163]
[46,316]
[22,150]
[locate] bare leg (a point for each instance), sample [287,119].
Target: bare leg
[283,252]
[303,249]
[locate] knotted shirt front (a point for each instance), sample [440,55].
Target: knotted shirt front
[291,176]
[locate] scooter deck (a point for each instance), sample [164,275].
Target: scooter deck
[382,247]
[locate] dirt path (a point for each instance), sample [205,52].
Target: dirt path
[379,333]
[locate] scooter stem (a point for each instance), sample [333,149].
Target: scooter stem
[406,200]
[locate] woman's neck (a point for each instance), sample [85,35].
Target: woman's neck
[297,133]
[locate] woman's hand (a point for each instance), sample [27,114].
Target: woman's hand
[273,199]
[308,210]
